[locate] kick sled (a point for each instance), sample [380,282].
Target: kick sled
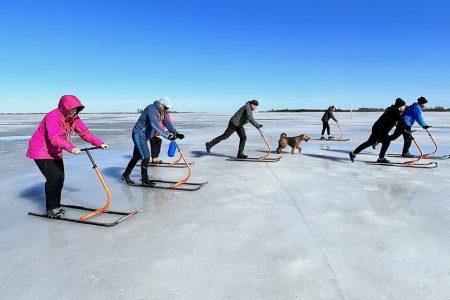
[338,139]
[181,185]
[430,155]
[92,212]
[263,158]
[409,164]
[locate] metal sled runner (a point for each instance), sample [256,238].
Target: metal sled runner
[263,158]
[428,155]
[339,139]
[409,164]
[182,184]
[85,219]
[175,164]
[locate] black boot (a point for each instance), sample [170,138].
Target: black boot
[382,160]
[242,155]
[148,182]
[55,213]
[130,166]
[407,154]
[352,156]
[144,173]
[126,178]
[208,146]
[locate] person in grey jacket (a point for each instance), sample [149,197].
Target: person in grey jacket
[149,123]
[325,119]
[237,122]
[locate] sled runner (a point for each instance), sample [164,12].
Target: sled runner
[411,164]
[182,184]
[263,158]
[428,155]
[429,165]
[338,139]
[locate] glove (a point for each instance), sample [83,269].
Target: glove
[259,126]
[171,136]
[426,127]
[179,136]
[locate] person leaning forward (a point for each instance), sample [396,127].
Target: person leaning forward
[236,124]
[150,122]
[381,128]
[411,114]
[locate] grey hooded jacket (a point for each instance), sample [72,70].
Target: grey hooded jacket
[243,116]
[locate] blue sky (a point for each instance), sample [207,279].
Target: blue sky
[212,56]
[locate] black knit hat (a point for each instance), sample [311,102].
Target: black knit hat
[399,102]
[422,100]
[254,102]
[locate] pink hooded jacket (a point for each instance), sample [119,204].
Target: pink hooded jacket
[54,131]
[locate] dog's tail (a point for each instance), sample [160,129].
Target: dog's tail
[283,135]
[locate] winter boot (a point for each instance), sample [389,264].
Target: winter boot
[330,137]
[383,160]
[322,137]
[130,166]
[407,154]
[126,174]
[208,147]
[147,182]
[242,155]
[62,211]
[127,179]
[144,173]
[54,213]
[352,156]
[156,160]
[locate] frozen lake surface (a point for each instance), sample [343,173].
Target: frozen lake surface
[311,226]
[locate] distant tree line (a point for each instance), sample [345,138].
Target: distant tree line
[361,109]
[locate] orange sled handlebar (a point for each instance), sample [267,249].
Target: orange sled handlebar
[105,186]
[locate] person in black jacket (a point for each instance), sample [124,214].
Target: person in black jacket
[380,130]
[325,119]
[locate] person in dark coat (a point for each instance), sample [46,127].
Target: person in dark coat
[411,114]
[236,123]
[380,130]
[325,119]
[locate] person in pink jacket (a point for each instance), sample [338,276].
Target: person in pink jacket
[50,139]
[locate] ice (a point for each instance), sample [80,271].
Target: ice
[15,138]
[311,226]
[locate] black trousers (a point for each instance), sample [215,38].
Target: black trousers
[228,132]
[407,138]
[374,138]
[53,171]
[326,126]
[155,146]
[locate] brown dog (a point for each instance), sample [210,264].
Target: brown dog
[294,142]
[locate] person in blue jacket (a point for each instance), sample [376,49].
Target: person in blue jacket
[411,114]
[148,124]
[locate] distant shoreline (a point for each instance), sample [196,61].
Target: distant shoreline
[362,109]
[432,109]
